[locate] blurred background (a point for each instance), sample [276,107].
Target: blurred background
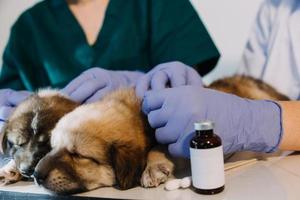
[229,23]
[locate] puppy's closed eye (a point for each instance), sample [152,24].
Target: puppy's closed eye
[17,146]
[17,140]
[76,155]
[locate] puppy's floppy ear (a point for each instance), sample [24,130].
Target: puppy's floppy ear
[3,139]
[128,163]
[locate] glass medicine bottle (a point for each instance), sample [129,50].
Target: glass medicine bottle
[207,162]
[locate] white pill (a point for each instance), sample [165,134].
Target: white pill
[186,182]
[173,184]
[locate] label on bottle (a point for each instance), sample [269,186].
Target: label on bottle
[207,168]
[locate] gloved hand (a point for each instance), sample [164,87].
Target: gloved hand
[9,99]
[171,74]
[94,83]
[242,124]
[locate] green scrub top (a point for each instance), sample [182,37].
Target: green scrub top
[48,48]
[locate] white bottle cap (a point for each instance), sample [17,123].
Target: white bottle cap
[204,125]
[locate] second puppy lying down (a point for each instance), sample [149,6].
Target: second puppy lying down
[26,136]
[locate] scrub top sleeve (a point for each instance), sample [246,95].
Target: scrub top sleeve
[9,75]
[255,53]
[19,57]
[177,33]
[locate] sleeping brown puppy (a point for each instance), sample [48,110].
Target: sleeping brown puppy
[99,144]
[107,142]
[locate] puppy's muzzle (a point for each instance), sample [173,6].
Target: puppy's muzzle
[26,168]
[26,171]
[44,166]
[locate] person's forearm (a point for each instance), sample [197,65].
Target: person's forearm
[291,125]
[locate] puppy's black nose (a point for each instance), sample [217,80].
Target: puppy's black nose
[27,171]
[38,177]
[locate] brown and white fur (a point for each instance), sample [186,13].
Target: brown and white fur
[247,87]
[26,136]
[109,142]
[99,144]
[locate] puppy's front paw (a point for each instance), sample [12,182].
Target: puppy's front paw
[9,173]
[156,173]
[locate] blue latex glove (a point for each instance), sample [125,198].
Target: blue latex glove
[243,124]
[166,75]
[9,99]
[94,83]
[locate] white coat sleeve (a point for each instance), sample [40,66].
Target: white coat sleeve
[255,53]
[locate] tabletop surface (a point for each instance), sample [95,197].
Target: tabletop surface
[276,178]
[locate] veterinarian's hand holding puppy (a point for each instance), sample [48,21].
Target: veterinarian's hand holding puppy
[171,74]
[94,83]
[243,124]
[9,99]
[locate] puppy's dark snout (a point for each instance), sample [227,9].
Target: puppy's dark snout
[39,177]
[27,171]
